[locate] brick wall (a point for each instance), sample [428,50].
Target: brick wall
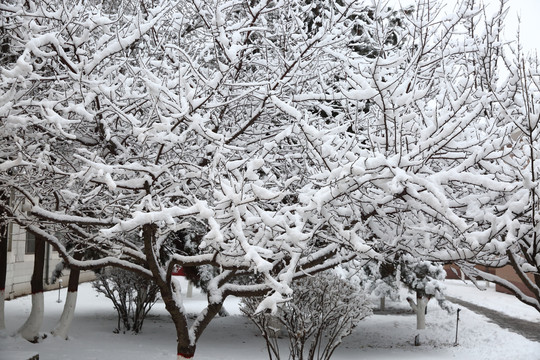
[506,273]
[509,274]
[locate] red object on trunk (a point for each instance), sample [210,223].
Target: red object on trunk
[178,271]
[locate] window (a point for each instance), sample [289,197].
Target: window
[9,236]
[30,247]
[4,235]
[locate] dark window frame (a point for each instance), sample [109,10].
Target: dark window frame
[30,243]
[9,237]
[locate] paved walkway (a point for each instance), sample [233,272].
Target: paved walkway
[528,329]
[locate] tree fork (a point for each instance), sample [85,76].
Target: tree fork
[185,349]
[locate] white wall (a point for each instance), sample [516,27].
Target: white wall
[20,266]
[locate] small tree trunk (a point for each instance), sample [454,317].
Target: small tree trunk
[62,327]
[420,309]
[382,303]
[3,263]
[421,304]
[3,273]
[30,329]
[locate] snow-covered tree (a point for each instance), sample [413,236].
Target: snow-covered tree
[423,277]
[291,146]
[173,116]
[500,214]
[380,279]
[517,229]
[420,173]
[386,278]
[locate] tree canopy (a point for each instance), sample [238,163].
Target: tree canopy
[280,137]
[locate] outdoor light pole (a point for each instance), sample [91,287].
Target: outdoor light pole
[457,325]
[59,287]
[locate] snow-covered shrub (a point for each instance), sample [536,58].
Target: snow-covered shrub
[132,295]
[324,309]
[380,279]
[384,279]
[424,277]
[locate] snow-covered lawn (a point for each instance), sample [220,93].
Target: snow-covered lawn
[234,337]
[489,298]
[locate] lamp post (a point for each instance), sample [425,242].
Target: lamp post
[457,325]
[59,287]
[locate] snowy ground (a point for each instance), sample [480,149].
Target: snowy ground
[488,297]
[378,337]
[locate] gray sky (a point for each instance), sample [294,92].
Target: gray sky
[529,11]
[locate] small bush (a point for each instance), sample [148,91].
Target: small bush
[132,295]
[324,309]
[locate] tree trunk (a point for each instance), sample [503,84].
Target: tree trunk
[2,318]
[182,357]
[419,308]
[184,348]
[62,327]
[3,262]
[3,273]
[421,305]
[30,329]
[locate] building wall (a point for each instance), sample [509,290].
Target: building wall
[509,274]
[20,265]
[506,272]
[453,272]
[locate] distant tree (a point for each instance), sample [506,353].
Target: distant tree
[386,278]
[381,279]
[424,278]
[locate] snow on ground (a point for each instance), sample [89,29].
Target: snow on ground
[488,297]
[378,337]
